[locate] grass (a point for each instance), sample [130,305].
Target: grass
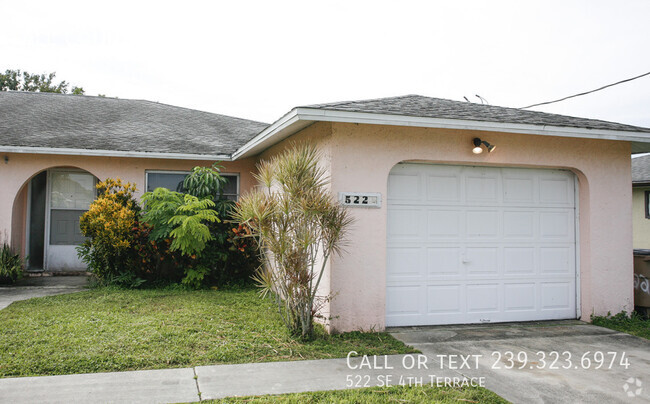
[378,395]
[635,324]
[107,330]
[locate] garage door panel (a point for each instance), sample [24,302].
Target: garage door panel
[556,260]
[482,261]
[405,300]
[404,223]
[519,297]
[481,189]
[443,188]
[518,190]
[445,299]
[405,186]
[443,224]
[519,260]
[482,224]
[490,244]
[557,190]
[407,262]
[483,298]
[557,295]
[556,225]
[519,224]
[443,261]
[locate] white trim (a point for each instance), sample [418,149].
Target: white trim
[282,128]
[252,146]
[112,153]
[576,214]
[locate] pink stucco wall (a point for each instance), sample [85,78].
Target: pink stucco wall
[20,168]
[361,157]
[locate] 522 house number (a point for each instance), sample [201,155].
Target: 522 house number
[360,199]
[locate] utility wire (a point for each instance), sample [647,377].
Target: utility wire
[587,92]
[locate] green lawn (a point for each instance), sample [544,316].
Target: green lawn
[378,395]
[635,324]
[106,330]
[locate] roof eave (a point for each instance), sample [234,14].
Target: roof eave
[113,153]
[299,118]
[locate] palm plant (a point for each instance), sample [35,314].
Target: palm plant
[298,226]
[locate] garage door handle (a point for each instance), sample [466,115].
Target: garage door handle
[465,260]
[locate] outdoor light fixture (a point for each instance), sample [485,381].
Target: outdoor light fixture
[477,146]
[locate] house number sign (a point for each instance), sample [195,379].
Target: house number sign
[360,199]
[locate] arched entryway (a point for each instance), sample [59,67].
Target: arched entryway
[46,216]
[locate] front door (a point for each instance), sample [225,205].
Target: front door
[70,194]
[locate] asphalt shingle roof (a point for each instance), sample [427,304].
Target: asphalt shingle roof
[420,106]
[641,169]
[97,123]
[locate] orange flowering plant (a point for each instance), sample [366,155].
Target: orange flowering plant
[108,225]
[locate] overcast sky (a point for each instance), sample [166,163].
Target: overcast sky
[257,60]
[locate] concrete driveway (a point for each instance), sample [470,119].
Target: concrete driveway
[27,288]
[543,362]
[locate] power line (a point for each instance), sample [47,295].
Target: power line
[587,92]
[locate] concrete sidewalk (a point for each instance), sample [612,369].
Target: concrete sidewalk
[210,382]
[28,288]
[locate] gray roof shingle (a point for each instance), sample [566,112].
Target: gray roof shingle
[420,106]
[98,123]
[641,170]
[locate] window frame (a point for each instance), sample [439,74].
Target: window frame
[183,172]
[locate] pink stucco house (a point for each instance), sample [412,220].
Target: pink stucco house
[464,213]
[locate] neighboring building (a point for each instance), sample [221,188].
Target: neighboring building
[641,201]
[538,229]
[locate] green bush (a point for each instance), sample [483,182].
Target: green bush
[184,219]
[176,238]
[110,226]
[11,265]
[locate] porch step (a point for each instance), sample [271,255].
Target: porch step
[35,273]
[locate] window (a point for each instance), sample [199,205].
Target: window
[647,204]
[173,180]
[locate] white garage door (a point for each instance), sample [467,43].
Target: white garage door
[479,244]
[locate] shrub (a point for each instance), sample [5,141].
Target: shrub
[11,265]
[108,224]
[298,226]
[205,182]
[197,227]
[184,219]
